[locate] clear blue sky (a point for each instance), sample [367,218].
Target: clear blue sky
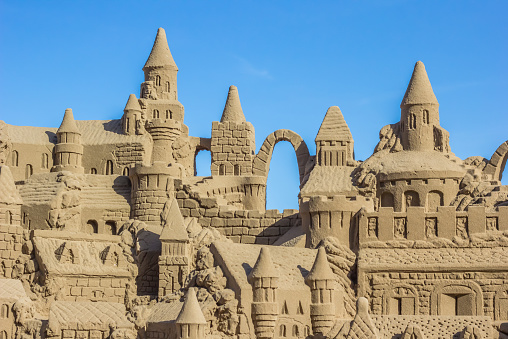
[291,60]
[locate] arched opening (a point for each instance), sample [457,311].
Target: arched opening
[222,169]
[283,182]
[126,171]
[109,167]
[168,87]
[110,227]
[91,227]
[45,161]
[426,117]
[236,170]
[387,199]
[157,80]
[29,170]
[8,217]
[202,161]
[3,335]
[169,114]
[401,300]
[434,200]
[15,158]
[501,303]
[4,311]
[296,332]
[411,198]
[282,331]
[156,114]
[463,298]
[93,170]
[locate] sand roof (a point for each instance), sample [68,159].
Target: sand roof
[165,312]
[419,90]
[160,55]
[292,264]
[86,315]
[334,127]
[11,290]
[233,109]
[8,192]
[325,180]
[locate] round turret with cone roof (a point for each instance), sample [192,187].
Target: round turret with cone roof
[68,150]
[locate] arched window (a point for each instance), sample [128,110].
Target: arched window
[457,298]
[222,169]
[202,161]
[426,117]
[126,171]
[110,227]
[156,114]
[169,114]
[434,200]
[15,158]
[411,198]
[8,217]
[93,170]
[412,121]
[296,332]
[284,308]
[3,335]
[167,86]
[91,227]
[45,161]
[237,169]
[157,80]
[282,331]
[4,312]
[401,300]
[109,167]
[28,171]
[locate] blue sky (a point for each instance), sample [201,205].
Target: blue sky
[290,60]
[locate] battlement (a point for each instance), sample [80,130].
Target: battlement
[418,224]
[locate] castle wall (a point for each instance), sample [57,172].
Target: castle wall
[94,288]
[11,243]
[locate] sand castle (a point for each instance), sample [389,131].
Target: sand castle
[106,231]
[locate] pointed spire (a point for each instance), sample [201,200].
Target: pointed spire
[132,104]
[233,109]
[160,55]
[264,267]
[419,90]
[191,311]
[173,223]
[321,269]
[68,123]
[334,127]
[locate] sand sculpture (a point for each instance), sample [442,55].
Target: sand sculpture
[106,231]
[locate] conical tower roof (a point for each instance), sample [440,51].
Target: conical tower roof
[191,311]
[132,104]
[334,127]
[233,109]
[321,269]
[264,267]
[160,55]
[8,192]
[174,229]
[419,90]
[68,123]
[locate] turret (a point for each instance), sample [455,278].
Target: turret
[321,281]
[68,149]
[264,280]
[334,142]
[419,119]
[131,116]
[233,140]
[174,258]
[191,322]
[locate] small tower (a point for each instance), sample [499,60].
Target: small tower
[163,113]
[191,322]
[321,281]
[419,118]
[131,116]
[68,149]
[174,258]
[334,142]
[233,140]
[264,280]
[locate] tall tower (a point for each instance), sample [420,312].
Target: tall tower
[159,100]
[68,149]
[334,142]
[419,118]
[265,281]
[191,322]
[321,281]
[233,140]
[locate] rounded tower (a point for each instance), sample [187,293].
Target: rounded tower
[264,280]
[68,149]
[419,112]
[191,322]
[321,281]
[131,116]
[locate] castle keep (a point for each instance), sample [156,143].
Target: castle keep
[107,232]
